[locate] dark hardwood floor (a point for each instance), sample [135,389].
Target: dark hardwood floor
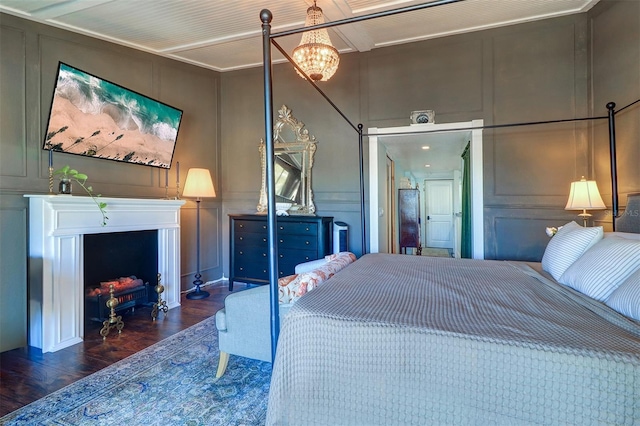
[26,374]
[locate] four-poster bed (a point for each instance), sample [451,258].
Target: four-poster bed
[373,344]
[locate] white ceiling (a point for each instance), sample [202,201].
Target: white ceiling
[224,35]
[442,155]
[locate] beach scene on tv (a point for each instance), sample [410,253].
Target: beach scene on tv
[93,117]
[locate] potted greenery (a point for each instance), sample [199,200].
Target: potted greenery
[67,175]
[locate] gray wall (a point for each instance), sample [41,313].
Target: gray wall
[559,68]
[29,59]
[615,70]
[530,72]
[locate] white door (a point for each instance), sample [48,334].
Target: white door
[439,209]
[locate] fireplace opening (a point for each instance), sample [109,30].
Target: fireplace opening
[129,260]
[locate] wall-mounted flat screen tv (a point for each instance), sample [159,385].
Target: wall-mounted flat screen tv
[93,117]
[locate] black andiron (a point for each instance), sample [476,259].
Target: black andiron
[160,304]
[113,321]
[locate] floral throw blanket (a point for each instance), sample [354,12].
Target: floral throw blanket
[292,287]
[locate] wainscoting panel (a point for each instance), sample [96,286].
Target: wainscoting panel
[13,279]
[210,242]
[441,75]
[13,131]
[519,234]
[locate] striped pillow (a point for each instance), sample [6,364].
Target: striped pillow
[604,267]
[626,298]
[569,243]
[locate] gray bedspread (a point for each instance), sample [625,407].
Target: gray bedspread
[396,339]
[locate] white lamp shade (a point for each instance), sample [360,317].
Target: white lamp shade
[198,184]
[584,195]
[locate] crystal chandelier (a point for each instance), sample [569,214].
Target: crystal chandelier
[315,54]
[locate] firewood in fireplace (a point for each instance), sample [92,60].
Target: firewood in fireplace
[119,285]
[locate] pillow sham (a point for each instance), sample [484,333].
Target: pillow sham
[604,267]
[626,298]
[567,245]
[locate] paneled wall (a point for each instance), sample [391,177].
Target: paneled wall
[522,73]
[615,47]
[335,179]
[30,54]
[552,69]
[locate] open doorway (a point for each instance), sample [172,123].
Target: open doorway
[385,143]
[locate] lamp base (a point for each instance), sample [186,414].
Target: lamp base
[198,293]
[585,217]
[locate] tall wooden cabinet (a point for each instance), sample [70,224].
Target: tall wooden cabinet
[409,218]
[300,239]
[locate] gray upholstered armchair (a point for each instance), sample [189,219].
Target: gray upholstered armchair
[244,326]
[244,322]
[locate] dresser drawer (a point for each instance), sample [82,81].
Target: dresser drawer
[251,239]
[251,267]
[253,262]
[301,242]
[289,258]
[241,226]
[297,229]
[252,253]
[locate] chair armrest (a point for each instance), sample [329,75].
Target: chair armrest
[310,266]
[250,306]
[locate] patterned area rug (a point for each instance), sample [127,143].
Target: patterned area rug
[172,382]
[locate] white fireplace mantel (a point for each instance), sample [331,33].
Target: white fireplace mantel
[56,265]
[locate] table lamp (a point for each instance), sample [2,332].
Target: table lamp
[584,195]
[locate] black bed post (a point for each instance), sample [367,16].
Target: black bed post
[614,166]
[363,220]
[266,17]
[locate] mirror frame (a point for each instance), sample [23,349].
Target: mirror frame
[304,144]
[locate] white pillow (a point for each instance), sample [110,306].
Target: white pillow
[626,298]
[569,243]
[603,267]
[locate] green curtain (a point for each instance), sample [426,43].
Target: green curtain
[465,245]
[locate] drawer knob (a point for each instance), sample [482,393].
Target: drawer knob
[282,241]
[241,268]
[281,228]
[241,226]
[264,226]
[307,242]
[281,256]
[264,239]
[307,229]
[241,252]
[241,238]
[264,270]
[264,254]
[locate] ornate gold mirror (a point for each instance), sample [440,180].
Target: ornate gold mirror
[294,149]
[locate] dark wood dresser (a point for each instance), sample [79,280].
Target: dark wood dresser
[409,216]
[300,239]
